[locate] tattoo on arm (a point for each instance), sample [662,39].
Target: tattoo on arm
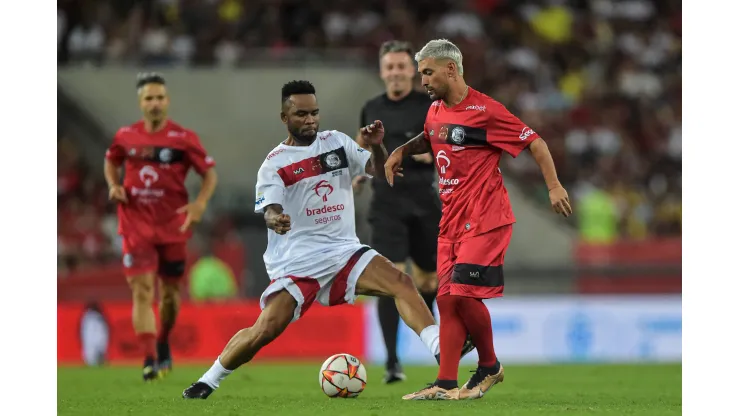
[416,146]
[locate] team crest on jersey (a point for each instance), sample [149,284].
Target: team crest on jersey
[165,155]
[458,135]
[332,160]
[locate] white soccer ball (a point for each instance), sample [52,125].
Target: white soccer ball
[342,375]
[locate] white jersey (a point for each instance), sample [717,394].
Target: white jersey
[313,184]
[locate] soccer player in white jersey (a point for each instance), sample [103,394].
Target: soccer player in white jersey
[304,189]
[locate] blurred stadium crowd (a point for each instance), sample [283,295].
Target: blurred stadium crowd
[600,80]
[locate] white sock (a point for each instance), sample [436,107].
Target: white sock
[430,337]
[215,374]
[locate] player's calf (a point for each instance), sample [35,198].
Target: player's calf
[143,319]
[243,346]
[169,307]
[381,278]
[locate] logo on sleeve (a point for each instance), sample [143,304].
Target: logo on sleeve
[526,132]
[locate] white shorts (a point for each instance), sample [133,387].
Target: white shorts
[336,286]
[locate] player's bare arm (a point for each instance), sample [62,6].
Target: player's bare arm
[416,146]
[276,220]
[197,208]
[420,149]
[558,196]
[372,135]
[112,174]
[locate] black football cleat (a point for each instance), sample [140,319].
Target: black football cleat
[394,374]
[467,346]
[164,360]
[150,371]
[197,390]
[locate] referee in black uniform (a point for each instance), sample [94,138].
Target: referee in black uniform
[404,220]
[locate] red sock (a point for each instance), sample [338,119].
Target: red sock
[149,343]
[452,335]
[478,324]
[164,331]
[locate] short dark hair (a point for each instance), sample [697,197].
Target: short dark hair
[143,78]
[396,46]
[296,88]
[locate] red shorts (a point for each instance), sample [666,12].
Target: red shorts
[474,267]
[142,257]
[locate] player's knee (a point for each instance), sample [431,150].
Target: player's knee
[170,292]
[142,289]
[143,293]
[403,285]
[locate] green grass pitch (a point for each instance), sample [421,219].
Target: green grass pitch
[293,389]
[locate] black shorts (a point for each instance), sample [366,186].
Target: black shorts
[406,226]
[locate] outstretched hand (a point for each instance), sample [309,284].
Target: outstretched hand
[373,133]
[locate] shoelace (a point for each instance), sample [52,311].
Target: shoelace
[477,378]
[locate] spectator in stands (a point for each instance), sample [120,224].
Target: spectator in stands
[600,79]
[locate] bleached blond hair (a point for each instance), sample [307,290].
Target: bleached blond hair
[441,49]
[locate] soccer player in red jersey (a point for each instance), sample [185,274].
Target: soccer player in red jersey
[467,132]
[154,212]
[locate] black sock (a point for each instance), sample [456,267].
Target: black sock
[149,361]
[163,351]
[429,298]
[495,369]
[446,384]
[389,318]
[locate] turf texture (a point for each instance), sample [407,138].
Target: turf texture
[293,389]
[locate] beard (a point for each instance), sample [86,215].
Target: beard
[302,137]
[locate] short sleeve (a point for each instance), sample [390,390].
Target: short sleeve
[507,132]
[115,152]
[426,133]
[198,157]
[357,157]
[270,188]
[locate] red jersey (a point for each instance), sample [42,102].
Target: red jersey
[467,141]
[155,168]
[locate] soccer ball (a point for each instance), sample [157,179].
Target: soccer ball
[342,375]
